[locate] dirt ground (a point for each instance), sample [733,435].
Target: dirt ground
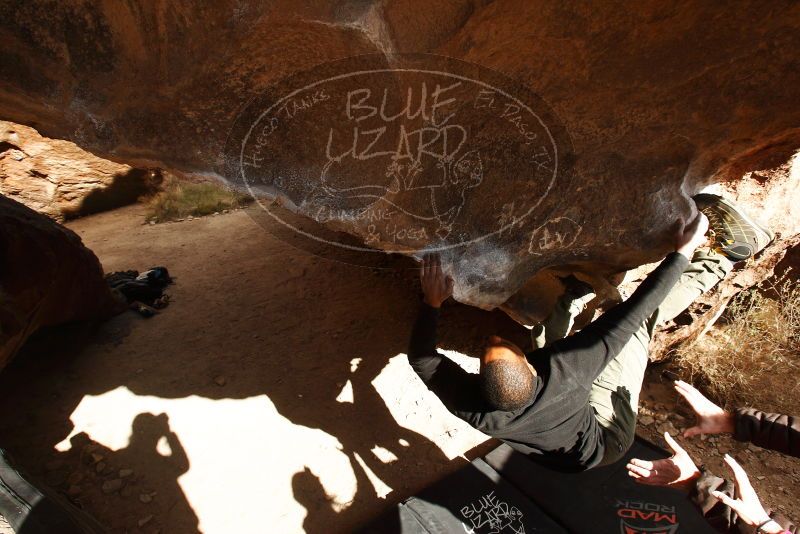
[272,395]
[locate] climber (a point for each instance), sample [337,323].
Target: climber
[572,404]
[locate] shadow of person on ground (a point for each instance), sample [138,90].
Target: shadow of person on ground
[155,449]
[98,479]
[367,424]
[277,323]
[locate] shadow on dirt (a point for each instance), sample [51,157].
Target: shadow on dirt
[291,334]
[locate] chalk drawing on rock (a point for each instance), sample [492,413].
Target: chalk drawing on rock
[439,202]
[407,153]
[556,234]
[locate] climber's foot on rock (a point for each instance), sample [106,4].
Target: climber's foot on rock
[733,232]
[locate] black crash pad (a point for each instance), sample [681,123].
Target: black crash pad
[473,499]
[603,499]
[507,493]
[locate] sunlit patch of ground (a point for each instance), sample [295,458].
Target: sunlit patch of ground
[242,454]
[287,401]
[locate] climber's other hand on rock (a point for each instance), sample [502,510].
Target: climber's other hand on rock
[436,286]
[692,235]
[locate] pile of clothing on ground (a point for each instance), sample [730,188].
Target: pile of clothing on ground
[143,292]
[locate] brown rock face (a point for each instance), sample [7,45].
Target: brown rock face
[47,277]
[59,179]
[645,107]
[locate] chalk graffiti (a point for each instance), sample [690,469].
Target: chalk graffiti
[428,177]
[372,214]
[490,515]
[507,220]
[558,233]
[392,233]
[403,153]
[293,106]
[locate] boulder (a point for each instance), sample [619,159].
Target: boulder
[47,277]
[646,106]
[60,179]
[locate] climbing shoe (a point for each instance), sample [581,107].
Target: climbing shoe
[733,232]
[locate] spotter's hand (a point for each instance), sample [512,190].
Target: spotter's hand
[711,419]
[678,471]
[747,505]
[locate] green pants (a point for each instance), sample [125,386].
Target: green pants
[615,393]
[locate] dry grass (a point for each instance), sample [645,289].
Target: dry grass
[179,200]
[753,357]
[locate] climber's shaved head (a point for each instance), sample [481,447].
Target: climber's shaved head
[506,375]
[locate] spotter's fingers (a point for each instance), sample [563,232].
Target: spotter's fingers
[640,471]
[673,444]
[693,431]
[741,478]
[645,464]
[426,265]
[687,391]
[733,503]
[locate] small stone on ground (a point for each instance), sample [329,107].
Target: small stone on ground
[110,486]
[646,420]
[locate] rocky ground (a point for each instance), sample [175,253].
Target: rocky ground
[775,477]
[273,390]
